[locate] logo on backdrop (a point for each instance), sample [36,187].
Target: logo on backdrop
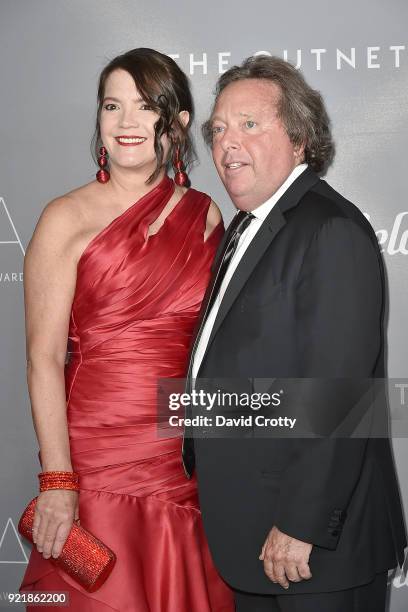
[10,238]
[350,58]
[395,240]
[11,548]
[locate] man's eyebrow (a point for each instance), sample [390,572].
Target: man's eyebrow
[214,118]
[218,118]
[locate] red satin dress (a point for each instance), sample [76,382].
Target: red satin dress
[136,302]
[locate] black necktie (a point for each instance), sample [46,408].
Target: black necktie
[237,227]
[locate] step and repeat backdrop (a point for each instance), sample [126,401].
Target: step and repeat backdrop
[355,53]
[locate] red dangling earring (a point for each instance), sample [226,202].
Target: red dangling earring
[180,176]
[102,176]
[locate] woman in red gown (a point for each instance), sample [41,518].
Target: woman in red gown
[120,269]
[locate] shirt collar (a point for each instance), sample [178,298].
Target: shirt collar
[263,210]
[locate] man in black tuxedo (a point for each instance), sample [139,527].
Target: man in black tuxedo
[312,524]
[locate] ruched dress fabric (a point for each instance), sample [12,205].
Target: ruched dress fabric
[136,303]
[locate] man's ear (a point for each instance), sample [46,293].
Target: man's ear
[299,152]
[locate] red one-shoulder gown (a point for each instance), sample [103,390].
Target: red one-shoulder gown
[136,303]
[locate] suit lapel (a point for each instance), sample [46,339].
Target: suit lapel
[261,241]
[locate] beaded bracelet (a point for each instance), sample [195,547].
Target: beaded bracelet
[58,480]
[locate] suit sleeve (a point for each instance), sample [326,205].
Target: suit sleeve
[339,336]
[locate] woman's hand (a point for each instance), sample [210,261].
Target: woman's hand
[55,512]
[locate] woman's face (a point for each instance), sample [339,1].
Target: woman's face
[127,125]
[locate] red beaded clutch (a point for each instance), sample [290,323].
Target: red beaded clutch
[85,558]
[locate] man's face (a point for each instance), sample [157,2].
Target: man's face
[251,149]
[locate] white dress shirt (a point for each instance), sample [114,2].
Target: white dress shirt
[260,213]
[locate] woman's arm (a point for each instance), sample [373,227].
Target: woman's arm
[49,285]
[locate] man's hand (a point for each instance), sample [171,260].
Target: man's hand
[285,558]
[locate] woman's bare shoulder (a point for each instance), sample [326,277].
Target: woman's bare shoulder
[63,217]
[70,205]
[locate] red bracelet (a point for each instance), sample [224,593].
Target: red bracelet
[58,480]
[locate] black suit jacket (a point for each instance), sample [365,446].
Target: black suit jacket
[306,301]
